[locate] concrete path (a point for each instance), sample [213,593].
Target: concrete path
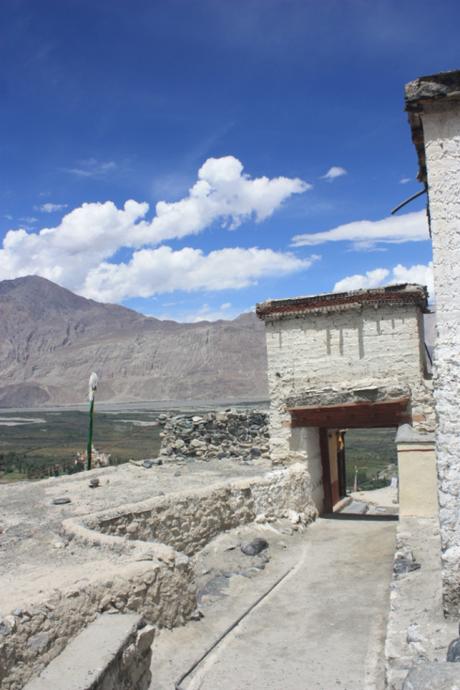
[323,627]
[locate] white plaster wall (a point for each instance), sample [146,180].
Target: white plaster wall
[304,441]
[347,349]
[418,496]
[442,144]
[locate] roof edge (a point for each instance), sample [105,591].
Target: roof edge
[394,295]
[428,90]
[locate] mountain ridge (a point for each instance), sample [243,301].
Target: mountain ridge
[51,339]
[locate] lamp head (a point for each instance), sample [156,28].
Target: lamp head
[93,381]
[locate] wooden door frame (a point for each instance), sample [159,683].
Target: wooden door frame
[360,415]
[326,469]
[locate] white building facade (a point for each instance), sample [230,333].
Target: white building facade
[341,360]
[433,104]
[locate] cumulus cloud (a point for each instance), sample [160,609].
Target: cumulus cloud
[225,194]
[419,273]
[162,270]
[50,207]
[76,252]
[366,234]
[334,172]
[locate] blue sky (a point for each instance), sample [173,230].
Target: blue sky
[103,102]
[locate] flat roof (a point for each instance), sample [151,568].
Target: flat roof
[391,295]
[441,87]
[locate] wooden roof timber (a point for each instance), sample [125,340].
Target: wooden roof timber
[353,415]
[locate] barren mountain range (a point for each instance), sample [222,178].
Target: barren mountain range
[51,340]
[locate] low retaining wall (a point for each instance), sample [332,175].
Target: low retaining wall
[187,521]
[157,536]
[113,652]
[35,634]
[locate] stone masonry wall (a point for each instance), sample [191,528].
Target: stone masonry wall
[187,521]
[441,126]
[230,434]
[111,653]
[30,637]
[152,573]
[336,353]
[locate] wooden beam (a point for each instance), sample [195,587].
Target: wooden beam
[353,415]
[326,471]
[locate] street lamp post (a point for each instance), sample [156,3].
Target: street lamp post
[91,393]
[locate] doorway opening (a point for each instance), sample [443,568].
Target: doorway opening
[363,470]
[357,450]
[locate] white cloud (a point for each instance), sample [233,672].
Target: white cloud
[162,270]
[419,273]
[370,279]
[365,234]
[334,172]
[91,167]
[51,208]
[8,216]
[76,252]
[223,193]
[405,180]
[30,220]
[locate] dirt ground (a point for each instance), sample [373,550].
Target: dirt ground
[34,556]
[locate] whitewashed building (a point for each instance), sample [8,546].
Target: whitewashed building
[433,104]
[343,360]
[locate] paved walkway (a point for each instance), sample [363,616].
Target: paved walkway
[323,627]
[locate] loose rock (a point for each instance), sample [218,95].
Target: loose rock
[252,548]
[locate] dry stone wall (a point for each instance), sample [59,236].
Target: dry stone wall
[113,652]
[31,636]
[187,521]
[152,574]
[216,435]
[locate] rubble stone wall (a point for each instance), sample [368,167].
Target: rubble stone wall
[187,521]
[154,575]
[215,435]
[113,652]
[336,353]
[30,637]
[441,126]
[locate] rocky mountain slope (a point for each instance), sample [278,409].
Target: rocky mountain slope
[51,339]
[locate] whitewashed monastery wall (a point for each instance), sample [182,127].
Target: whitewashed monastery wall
[337,353]
[441,125]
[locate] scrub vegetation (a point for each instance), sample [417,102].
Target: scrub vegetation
[49,446]
[372,452]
